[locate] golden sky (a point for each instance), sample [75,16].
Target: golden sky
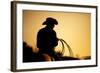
[73,27]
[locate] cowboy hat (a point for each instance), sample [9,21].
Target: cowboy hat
[50,20]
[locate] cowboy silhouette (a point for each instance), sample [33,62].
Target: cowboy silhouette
[47,39]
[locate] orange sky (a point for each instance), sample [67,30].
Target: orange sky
[73,27]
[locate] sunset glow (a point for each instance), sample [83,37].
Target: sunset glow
[73,27]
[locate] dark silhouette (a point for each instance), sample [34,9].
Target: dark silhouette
[46,42]
[47,39]
[30,56]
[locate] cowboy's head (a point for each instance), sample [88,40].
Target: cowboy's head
[50,22]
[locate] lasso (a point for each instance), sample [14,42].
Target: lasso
[63,47]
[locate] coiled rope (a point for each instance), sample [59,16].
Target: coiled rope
[63,47]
